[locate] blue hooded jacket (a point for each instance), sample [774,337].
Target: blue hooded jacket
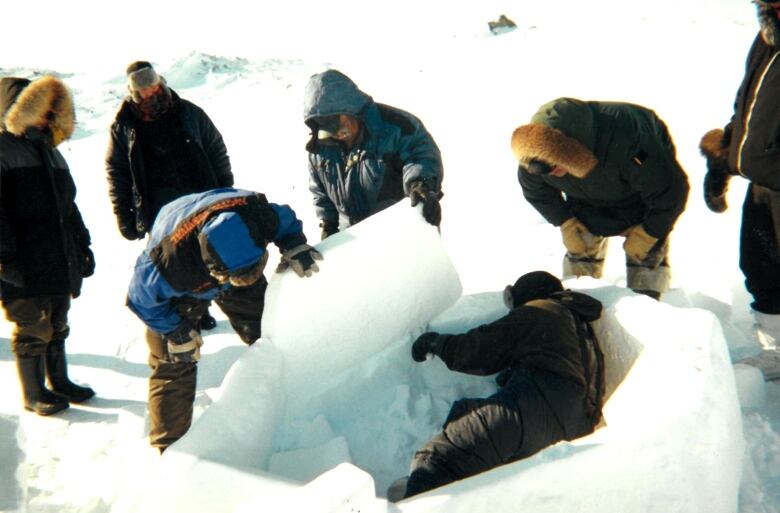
[222,230]
[393,151]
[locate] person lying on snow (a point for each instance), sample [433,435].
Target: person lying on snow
[551,379]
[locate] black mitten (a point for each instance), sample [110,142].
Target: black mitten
[328,229]
[87,264]
[427,343]
[419,192]
[716,181]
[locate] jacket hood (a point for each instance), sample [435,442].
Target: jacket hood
[588,308]
[10,88]
[561,133]
[45,101]
[227,245]
[332,92]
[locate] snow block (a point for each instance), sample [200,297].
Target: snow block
[325,323]
[249,403]
[11,456]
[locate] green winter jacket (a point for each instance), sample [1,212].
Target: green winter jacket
[622,166]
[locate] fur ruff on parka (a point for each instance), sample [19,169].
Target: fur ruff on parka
[45,101]
[550,145]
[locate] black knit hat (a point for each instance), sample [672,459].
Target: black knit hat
[533,285]
[141,75]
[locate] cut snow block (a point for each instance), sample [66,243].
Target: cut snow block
[380,280]
[239,425]
[307,463]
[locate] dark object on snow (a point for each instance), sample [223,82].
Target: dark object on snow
[551,384]
[502,25]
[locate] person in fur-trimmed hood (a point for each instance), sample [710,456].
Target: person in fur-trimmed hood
[161,147]
[44,244]
[749,146]
[604,169]
[365,156]
[550,373]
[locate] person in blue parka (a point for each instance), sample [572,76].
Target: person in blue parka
[365,156]
[205,246]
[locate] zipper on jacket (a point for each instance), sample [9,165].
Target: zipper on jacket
[750,113]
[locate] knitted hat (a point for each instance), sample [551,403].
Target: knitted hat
[533,285]
[141,75]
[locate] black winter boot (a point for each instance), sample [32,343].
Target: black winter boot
[36,397]
[57,372]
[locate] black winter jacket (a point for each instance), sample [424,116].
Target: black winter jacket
[128,180]
[753,135]
[546,334]
[41,229]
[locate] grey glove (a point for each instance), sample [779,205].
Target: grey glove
[302,259]
[184,346]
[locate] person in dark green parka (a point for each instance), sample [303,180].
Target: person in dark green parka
[604,169]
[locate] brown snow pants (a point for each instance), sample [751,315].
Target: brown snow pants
[37,321]
[172,385]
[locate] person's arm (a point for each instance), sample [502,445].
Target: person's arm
[662,185]
[324,207]
[216,151]
[420,160]
[120,183]
[481,351]
[547,200]
[149,297]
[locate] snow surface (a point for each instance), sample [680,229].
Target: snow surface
[247,67]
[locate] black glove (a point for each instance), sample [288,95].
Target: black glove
[716,181]
[328,229]
[302,260]
[183,344]
[427,343]
[420,192]
[129,231]
[87,264]
[10,273]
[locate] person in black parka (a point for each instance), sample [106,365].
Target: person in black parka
[161,147]
[551,383]
[44,244]
[749,146]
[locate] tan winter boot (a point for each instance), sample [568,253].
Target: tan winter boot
[768,333]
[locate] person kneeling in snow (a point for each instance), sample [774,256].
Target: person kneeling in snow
[551,382]
[204,246]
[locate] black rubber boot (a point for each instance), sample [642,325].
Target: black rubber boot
[36,397]
[57,372]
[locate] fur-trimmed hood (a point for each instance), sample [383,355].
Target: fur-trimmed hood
[45,101]
[561,133]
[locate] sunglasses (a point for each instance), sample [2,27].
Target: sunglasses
[539,167]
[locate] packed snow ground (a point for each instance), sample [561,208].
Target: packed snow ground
[248,70]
